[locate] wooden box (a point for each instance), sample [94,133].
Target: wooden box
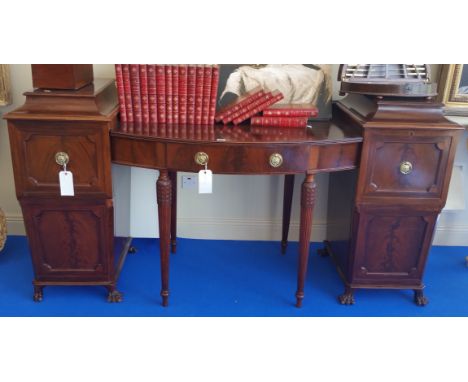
[54,76]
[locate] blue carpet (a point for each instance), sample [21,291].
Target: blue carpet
[230,278]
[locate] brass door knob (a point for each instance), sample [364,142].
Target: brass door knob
[276,160]
[62,158]
[201,158]
[406,167]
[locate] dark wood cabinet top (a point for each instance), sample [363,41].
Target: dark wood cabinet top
[96,101]
[91,90]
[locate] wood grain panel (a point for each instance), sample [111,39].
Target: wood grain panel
[72,240]
[427,155]
[36,172]
[392,244]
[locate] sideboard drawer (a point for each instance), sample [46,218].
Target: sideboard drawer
[410,164]
[36,145]
[243,158]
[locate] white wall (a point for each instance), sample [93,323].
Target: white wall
[21,81]
[241,207]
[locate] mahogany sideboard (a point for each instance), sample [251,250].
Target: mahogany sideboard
[402,182]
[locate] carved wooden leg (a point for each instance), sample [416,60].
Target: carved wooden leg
[164,190]
[173,176]
[347,298]
[307,208]
[287,201]
[37,296]
[114,295]
[419,298]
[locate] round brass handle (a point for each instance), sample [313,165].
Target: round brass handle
[276,160]
[201,158]
[406,167]
[61,158]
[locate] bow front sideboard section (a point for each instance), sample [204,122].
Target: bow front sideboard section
[328,146]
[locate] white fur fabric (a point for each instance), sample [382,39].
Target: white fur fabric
[298,83]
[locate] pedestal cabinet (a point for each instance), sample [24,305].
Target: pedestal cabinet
[71,238]
[402,185]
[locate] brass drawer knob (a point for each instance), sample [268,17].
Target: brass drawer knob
[201,158]
[276,160]
[62,158]
[406,167]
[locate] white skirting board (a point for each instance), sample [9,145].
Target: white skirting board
[240,229]
[15,225]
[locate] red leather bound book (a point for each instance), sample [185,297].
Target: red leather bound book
[239,103]
[291,110]
[248,107]
[214,93]
[199,94]
[144,94]
[191,89]
[127,92]
[121,94]
[183,72]
[169,93]
[175,93]
[152,96]
[136,97]
[276,96]
[207,75]
[161,92]
[279,121]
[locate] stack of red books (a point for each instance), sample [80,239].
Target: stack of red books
[286,115]
[248,105]
[166,94]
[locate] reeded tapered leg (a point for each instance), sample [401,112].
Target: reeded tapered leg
[164,191]
[307,208]
[287,202]
[173,176]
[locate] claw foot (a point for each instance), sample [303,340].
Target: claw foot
[114,296]
[420,299]
[347,298]
[37,296]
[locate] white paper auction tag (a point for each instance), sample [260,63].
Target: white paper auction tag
[205,182]
[66,183]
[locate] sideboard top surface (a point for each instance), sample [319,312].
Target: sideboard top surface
[321,132]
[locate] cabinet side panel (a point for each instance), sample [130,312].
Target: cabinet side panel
[341,196]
